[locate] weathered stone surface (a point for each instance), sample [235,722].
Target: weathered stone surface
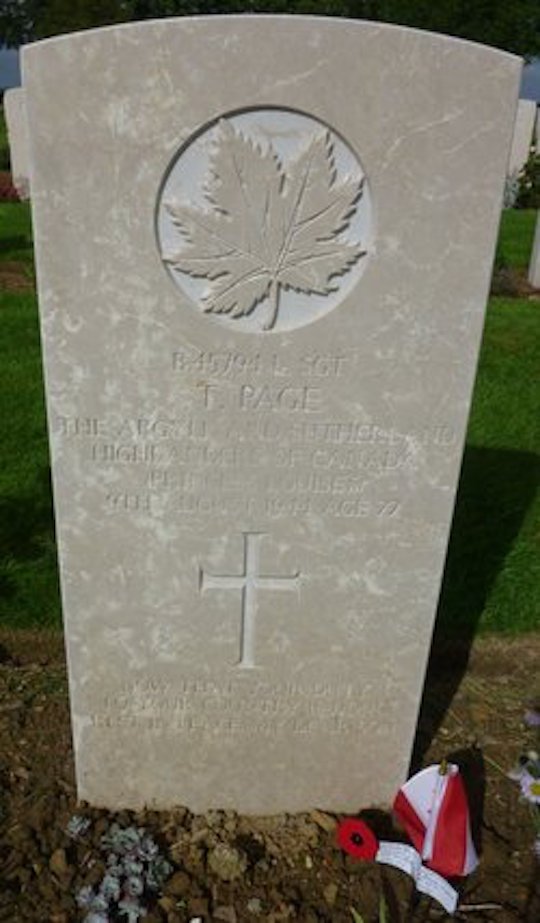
[264,247]
[524,129]
[534,265]
[15,114]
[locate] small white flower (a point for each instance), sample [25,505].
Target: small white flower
[530,787]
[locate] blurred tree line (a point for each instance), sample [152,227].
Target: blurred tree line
[513,25]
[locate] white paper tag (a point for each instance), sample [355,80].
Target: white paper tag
[408,860]
[437,887]
[401,856]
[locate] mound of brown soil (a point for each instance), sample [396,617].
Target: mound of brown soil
[238,869]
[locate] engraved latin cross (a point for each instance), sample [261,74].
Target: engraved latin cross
[250,581]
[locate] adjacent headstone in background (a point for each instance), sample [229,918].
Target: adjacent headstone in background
[17,129]
[524,129]
[534,265]
[263,247]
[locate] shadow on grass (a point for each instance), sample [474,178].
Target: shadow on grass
[27,548]
[496,489]
[18,243]
[26,520]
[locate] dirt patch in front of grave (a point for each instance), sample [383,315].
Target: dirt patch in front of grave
[508,282]
[8,193]
[285,868]
[16,276]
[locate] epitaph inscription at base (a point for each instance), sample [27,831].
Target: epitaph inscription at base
[263,252]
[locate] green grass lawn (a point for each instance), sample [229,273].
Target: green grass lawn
[16,233]
[516,237]
[492,575]
[28,575]
[492,580]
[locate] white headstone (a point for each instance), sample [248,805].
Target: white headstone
[523,135]
[15,114]
[534,265]
[264,246]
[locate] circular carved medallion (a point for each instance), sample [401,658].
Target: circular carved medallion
[264,220]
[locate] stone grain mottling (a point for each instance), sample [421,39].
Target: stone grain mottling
[179,445]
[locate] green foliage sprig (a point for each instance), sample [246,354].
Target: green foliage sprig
[528,192]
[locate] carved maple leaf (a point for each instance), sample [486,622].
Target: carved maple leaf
[266,229]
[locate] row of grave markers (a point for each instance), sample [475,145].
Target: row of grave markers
[526,133]
[263,246]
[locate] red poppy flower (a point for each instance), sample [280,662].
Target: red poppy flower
[355,837]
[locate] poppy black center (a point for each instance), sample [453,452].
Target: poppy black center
[357,839]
